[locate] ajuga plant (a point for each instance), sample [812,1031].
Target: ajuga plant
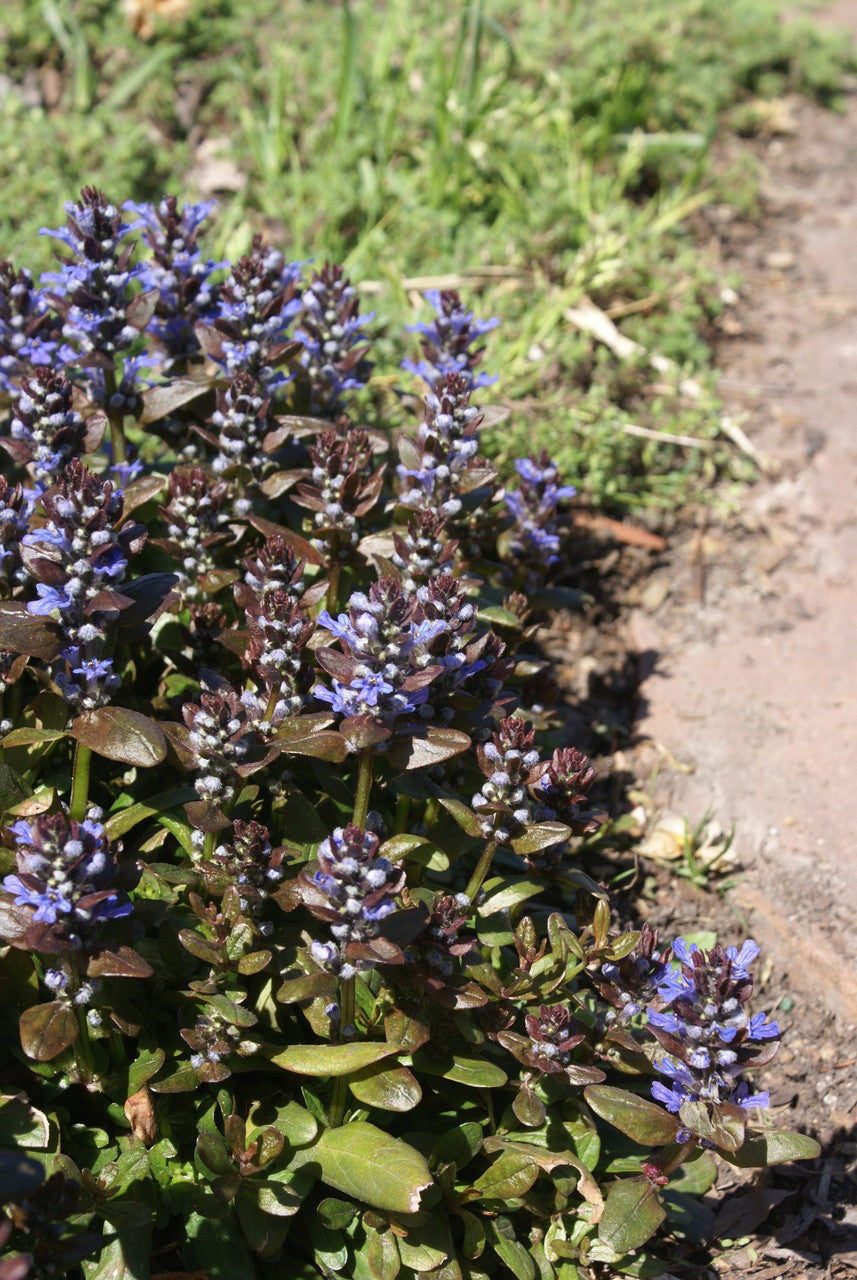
[304,970]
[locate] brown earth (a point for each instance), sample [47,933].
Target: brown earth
[741,649]
[746,638]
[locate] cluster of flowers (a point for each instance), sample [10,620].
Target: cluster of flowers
[406,656]
[353,890]
[67,874]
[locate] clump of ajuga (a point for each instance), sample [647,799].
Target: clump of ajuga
[301,935]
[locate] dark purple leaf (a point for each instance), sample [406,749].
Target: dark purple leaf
[160,401]
[118,962]
[120,734]
[47,1029]
[22,632]
[437,745]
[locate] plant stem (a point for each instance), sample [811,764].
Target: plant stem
[116,420]
[676,1154]
[364,787]
[80,782]
[474,884]
[82,1045]
[403,813]
[331,600]
[347,1006]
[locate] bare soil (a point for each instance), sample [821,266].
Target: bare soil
[741,648]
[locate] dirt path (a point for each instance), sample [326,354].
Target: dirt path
[750,664]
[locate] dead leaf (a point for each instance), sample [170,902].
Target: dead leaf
[141,1116]
[141,14]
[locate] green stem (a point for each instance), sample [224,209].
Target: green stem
[474,884]
[80,782]
[403,813]
[364,787]
[82,1045]
[347,1005]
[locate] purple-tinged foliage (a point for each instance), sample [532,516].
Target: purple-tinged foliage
[562,792]
[511,764]
[448,342]
[28,332]
[241,420]
[178,273]
[91,291]
[46,431]
[345,487]
[387,670]
[534,506]
[345,669]
[246,861]
[352,891]
[66,875]
[255,307]
[698,1017]
[332,332]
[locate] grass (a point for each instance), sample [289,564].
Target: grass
[536,153]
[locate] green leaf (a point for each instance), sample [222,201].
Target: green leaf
[383,1255]
[307,987]
[458,1146]
[147,1063]
[47,1029]
[696,1176]
[264,1232]
[119,824]
[761,1149]
[516,1257]
[331,1059]
[13,789]
[213,1152]
[119,734]
[22,1125]
[31,737]
[297,1125]
[395,1089]
[335,1213]
[476,1073]
[362,1161]
[541,836]
[632,1214]
[465,817]
[640,1119]
[427,1245]
[126,1257]
[219,1248]
[509,897]
[278,1198]
[511,1175]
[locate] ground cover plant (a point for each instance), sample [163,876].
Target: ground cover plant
[556,151]
[302,963]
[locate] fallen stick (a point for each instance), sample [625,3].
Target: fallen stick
[627,533]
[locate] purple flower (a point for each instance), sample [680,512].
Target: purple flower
[49,903]
[448,341]
[50,598]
